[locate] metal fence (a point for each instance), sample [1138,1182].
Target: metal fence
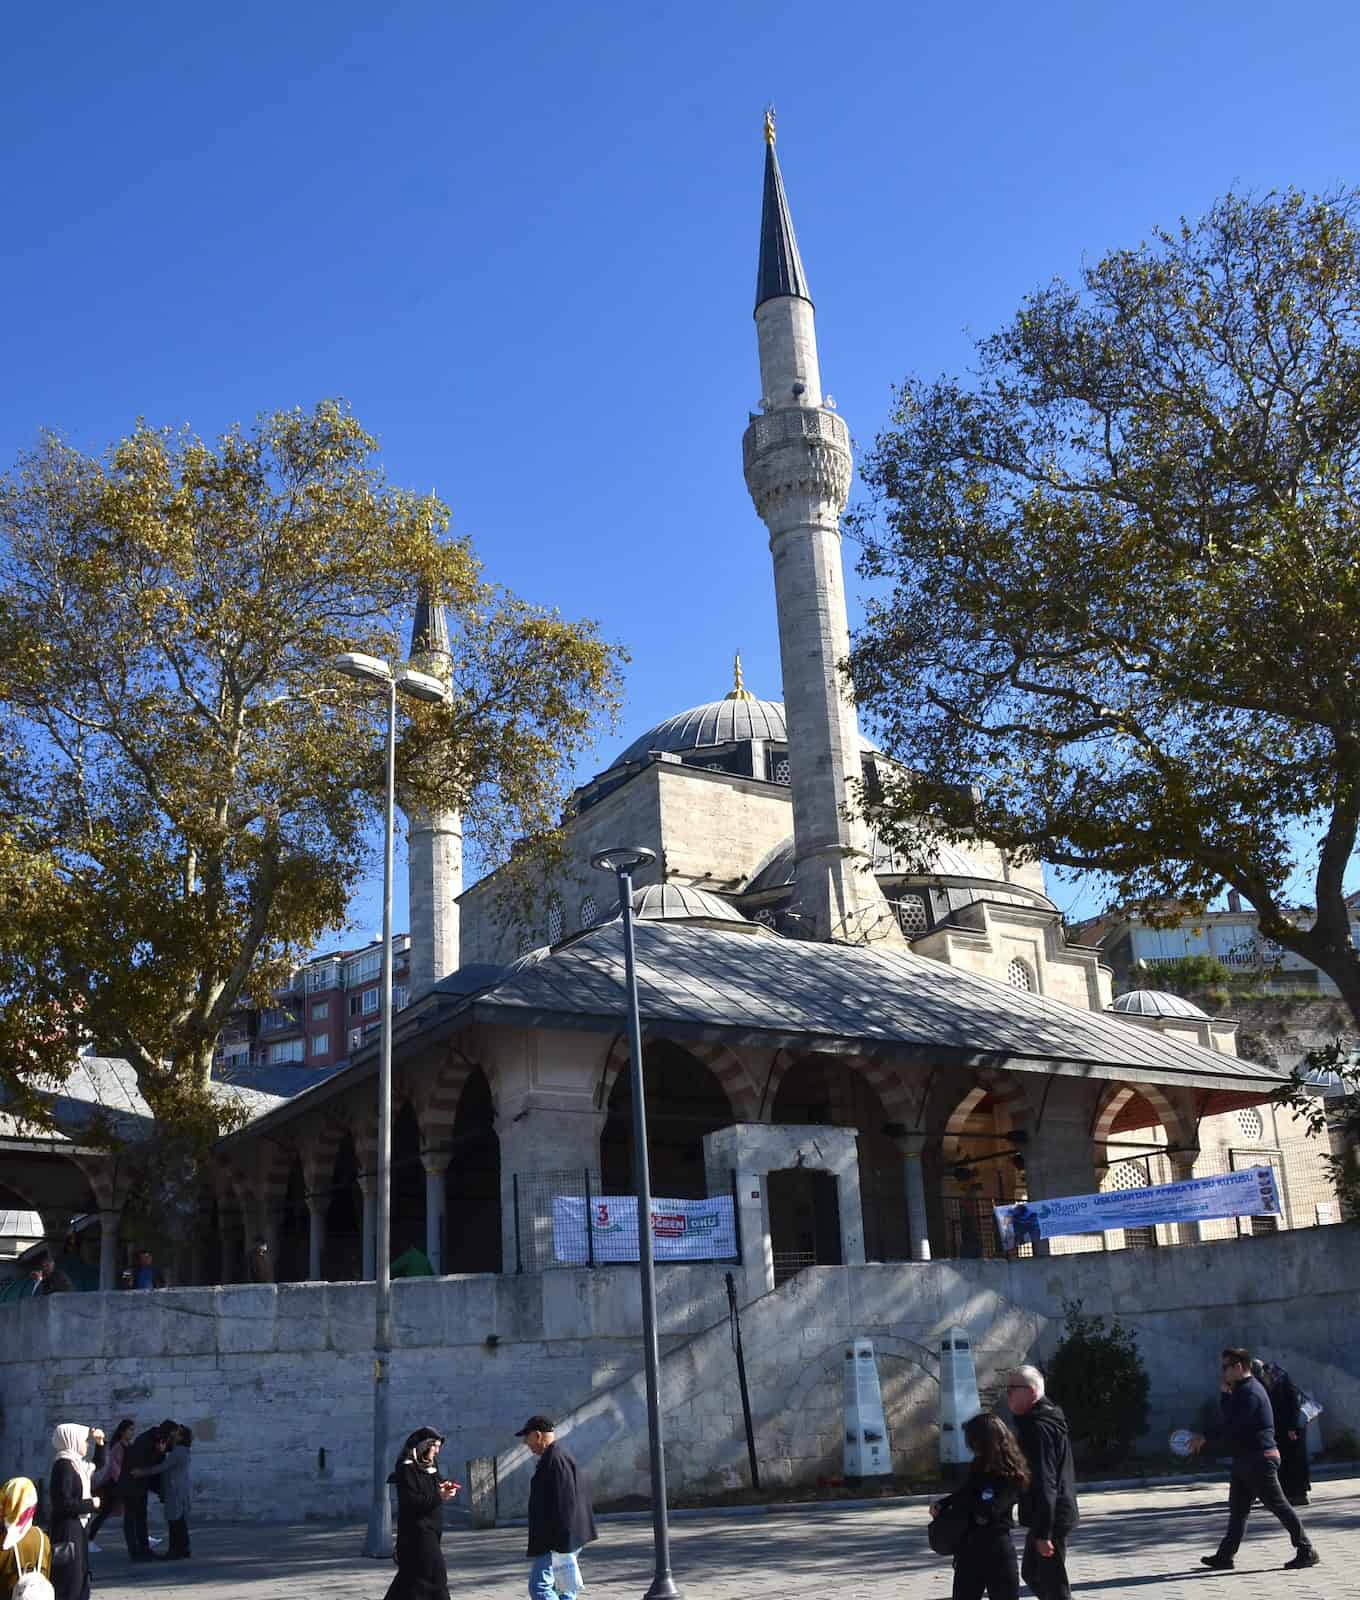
[550,1233]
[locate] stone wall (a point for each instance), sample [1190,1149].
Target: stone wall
[270,1376]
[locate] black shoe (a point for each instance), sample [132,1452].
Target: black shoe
[1298,1500]
[1304,1556]
[1218,1563]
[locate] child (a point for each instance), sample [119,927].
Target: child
[985,1562]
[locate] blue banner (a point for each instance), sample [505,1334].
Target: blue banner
[1251,1192]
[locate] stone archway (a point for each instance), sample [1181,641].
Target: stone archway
[472,1185]
[1139,1140]
[685,1100]
[980,1165]
[838,1092]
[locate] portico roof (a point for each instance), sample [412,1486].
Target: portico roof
[706,983]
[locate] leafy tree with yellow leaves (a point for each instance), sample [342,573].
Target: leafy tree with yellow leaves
[187,789]
[1117,612]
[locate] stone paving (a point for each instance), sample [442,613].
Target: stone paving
[1132,1545]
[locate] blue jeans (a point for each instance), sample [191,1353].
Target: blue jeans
[541,1579]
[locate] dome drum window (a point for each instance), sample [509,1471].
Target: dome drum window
[911,914]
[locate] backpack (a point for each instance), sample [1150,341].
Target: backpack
[32,1585]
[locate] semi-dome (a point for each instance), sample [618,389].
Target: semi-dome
[1157,1003]
[958,878]
[674,902]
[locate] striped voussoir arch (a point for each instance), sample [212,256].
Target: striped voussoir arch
[436,1098]
[1011,1104]
[888,1081]
[726,1066]
[1114,1102]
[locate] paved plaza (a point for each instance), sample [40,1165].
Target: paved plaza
[1133,1545]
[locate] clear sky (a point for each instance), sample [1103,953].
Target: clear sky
[521,240]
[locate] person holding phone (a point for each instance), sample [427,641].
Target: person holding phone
[421,1497]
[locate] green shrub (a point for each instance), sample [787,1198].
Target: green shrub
[1098,1378]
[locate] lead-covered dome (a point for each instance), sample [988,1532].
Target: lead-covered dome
[719,722]
[674,902]
[1157,1003]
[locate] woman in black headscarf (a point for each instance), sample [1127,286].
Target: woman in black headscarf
[421,1494]
[1291,1434]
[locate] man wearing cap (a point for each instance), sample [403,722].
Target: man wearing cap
[560,1516]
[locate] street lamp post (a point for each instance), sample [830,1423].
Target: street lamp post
[623,863]
[374,671]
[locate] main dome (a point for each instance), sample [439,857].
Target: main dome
[715,723]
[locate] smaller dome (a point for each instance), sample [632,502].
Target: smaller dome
[1157,1003]
[673,902]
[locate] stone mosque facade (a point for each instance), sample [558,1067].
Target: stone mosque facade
[803,989]
[866,1053]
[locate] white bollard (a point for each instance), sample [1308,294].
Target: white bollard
[958,1396]
[866,1430]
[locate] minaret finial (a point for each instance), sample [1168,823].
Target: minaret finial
[739,691]
[769,125]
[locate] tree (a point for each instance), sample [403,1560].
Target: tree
[187,789]
[1101,1383]
[1118,621]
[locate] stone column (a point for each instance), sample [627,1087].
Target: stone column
[109,1223]
[368,1187]
[316,1235]
[912,1146]
[1060,1159]
[539,1134]
[1182,1170]
[436,1164]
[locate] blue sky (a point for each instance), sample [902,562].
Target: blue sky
[521,241]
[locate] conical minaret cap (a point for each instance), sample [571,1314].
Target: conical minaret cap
[429,628]
[781,268]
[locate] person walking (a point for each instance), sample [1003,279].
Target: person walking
[561,1520]
[985,1562]
[1291,1433]
[1048,1507]
[1248,1429]
[421,1498]
[71,1501]
[108,1479]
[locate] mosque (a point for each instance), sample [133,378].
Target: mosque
[869,1051]
[926,1026]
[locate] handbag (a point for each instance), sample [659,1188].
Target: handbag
[1309,1410]
[948,1531]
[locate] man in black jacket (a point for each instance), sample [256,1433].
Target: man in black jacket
[1247,1428]
[146,1450]
[560,1515]
[1048,1508]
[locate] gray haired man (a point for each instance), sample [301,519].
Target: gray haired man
[1048,1508]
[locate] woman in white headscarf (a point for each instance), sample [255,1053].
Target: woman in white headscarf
[71,1500]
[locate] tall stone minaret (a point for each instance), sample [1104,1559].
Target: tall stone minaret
[434,839]
[797,460]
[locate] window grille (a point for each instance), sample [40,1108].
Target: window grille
[1019,976]
[554,921]
[590,912]
[911,914]
[1249,1121]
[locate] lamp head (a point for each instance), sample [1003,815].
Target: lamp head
[623,859]
[366,669]
[421,685]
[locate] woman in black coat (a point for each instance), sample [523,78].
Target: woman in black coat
[1291,1435]
[421,1495]
[71,1500]
[985,1561]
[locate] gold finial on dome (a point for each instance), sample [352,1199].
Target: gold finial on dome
[739,691]
[769,125]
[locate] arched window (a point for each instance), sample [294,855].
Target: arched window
[590,912]
[554,920]
[911,914]
[1019,976]
[526,943]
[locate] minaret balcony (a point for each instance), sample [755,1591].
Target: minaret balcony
[797,451]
